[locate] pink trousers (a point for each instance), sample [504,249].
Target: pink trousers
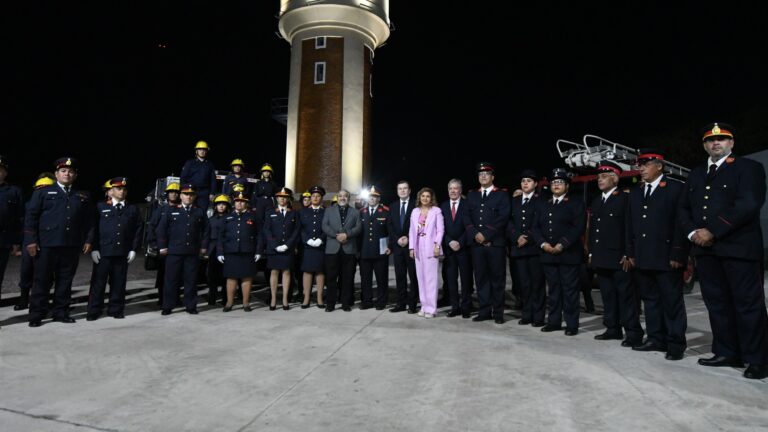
[427,275]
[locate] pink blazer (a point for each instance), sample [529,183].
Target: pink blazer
[423,240]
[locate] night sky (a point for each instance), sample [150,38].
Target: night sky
[129,87]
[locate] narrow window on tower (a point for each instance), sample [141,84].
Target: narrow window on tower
[320,73]
[320,42]
[370,85]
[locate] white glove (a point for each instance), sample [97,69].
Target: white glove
[318,242]
[220,258]
[131,256]
[96,257]
[311,242]
[257,257]
[281,248]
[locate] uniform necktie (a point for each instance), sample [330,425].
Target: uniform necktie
[712,171]
[648,191]
[402,213]
[603,199]
[453,211]
[66,189]
[525,201]
[485,194]
[370,210]
[119,206]
[282,211]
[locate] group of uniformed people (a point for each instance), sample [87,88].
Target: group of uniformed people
[636,241]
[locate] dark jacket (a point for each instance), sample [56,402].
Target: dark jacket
[563,223]
[375,227]
[728,205]
[183,232]
[489,216]
[455,229]
[54,219]
[239,233]
[395,230]
[521,222]
[608,223]
[280,230]
[215,223]
[117,232]
[201,174]
[11,215]
[312,226]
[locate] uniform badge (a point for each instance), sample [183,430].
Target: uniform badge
[716,130]
[730,160]
[663,184]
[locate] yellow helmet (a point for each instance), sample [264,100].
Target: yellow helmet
[306,194]
[173,187]
[238,188]
[43,182]
[237,162]
[266,167]
[335,199]
[201,145]
[107,184]
[221,199]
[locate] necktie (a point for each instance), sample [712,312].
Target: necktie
[711,172]
[557,201]
[485,194]
[648,191]
[525,201]
[282,211]
[453,211]
[119,207]
[603,199]
[66,189]
[370,210]
[402,213]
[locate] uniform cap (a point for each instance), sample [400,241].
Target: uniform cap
[562,174]
[373,191]
[529,173]
[240,196]
[118,182]
[317,189]
[66,162]
[649,154]
[284,192]
[201,145]
[485,166]
[718,129]
[188,188]
[609,166]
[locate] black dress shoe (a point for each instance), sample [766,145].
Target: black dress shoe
[412,311]
[305,306]
[538,324]
[321,306]
[630,343]
[609,336]
[118,315]
[330,308]
[397,309]
[524,322]
[453,313]
[36,323]
[756,372]
[718,361]
[673,356]
[380,307]
[272,307]
[227,309]
[166,311]
[346,308]
[364,306]
[286,307]
[19,307]
[648,346]
[247,308]
[482,318]
[499,320]
[192,311]
[550,328]
[466,315]
[571,332]
[65,320]
[90,317]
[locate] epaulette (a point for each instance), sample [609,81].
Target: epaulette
[385,207]
[615,193]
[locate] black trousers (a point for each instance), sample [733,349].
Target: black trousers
[405,272]
[26,277]
[203,198]
[564,289]
[216,279]
[160,278]
[54,265]
[619,307]
[459,265]
[114,268]
[5,254]
[369,266]
[339,273]
[178,269]
[516,282]
[734,296]
[489,264]
[532,291]
[665,318]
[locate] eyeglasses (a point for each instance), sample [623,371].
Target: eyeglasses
[484,174]
[558,182]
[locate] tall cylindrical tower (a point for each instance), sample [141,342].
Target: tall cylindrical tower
[329,100]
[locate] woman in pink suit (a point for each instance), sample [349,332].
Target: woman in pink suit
[424,238]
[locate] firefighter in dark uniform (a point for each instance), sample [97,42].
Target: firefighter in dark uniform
[607,235]
[278,241]
[117,237]
[26,268]
[374,251]
[236,177]
[658,251]
[489,210]
[262,199]
[720,215]
[221,210]
[313,241]
[56,228]
[524,252]
[11,219]
[560,224]
[237,250]
[200,173]
[182,236]
[173,200]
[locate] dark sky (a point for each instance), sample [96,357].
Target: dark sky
[499,81]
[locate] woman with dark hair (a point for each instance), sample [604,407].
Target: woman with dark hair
[424,238]
[313,239]
[237,250]
[279,237]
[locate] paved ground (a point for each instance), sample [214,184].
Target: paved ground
[362,370]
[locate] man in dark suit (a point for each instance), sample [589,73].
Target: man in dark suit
[457,262]
[341,225]
[374,257]
[658,250]
[57,227]
[486,229]
[524,252]
[607,235]
[560,223]
[117,237]
[399,224]
[719,213]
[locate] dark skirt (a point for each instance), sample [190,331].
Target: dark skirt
[280,262]
[313,260]
[239,265]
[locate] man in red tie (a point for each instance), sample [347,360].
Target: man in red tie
[457,261]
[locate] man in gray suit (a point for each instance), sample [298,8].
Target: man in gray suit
[341,223]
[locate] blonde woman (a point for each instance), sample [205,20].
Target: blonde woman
[424,238]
